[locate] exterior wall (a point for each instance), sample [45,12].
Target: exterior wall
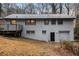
[7,26]
[67,26]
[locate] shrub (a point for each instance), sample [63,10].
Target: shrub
[76,50]
[68,44]
[61,43]
[71,47]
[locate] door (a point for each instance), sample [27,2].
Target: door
[52,36]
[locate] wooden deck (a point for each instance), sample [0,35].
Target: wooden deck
[11,33]
[14,30]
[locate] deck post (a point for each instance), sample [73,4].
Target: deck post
[16,31]
[16,26]
[20,34]
[3,33]
[7,26]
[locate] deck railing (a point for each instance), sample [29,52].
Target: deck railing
[9,27]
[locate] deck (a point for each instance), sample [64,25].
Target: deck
[8,29]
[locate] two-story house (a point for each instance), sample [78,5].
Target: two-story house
[45,27]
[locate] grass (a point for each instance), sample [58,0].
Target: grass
[76,43]
[27,47]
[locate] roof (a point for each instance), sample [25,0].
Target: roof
[26,16]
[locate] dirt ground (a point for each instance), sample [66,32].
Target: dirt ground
[27,47]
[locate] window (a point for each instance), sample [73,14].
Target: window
[27,22]
[60,22]
[30,22]
[13,22]
[53,22]
[1,24]
[30,32]
[1,21]
[46,22]
[33,22]
[27,32]
[63,31]
[44,32]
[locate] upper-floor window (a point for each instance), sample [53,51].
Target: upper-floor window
[1,21]
[60,22]
[30,22]
[13,22]
[46,22]
[53,22]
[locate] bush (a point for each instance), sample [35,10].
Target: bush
[71,47]
[68,44]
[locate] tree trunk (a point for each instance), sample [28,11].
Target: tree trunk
[60,8]
[0,9]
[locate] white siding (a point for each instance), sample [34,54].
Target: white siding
[67,26]
[64,35]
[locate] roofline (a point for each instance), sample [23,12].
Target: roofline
[41,18]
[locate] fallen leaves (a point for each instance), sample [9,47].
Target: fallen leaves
[28,47]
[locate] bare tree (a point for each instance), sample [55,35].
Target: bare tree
[67,5]
[60,6]
[76,9]
[7,8]
[45,8]
[30,8]
[39,8]
[54,7]
[0,9]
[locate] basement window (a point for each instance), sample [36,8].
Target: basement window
[44,32]
[30,32]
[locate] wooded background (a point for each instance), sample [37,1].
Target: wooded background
[41,8]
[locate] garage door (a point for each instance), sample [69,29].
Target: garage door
[64,35]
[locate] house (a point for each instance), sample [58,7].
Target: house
[45,27]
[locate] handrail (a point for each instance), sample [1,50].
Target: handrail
[11,27]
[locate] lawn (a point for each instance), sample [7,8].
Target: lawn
[28,47]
